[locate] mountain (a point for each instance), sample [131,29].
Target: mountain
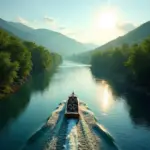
[134,36]
[54,41]
[90,45]
[57,42]
[21,27]
[11,29]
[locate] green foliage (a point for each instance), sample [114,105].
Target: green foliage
[21,54]
[126,62]
[138,62]
[41,57]
[19,58]
[8,71]
[110,63]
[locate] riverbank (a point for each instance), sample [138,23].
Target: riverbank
[17,85]
[121,83]
[19,60]
[14,88]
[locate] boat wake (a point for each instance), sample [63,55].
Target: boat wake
[59,133]
[72,135]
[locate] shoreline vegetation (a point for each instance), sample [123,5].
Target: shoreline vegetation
[126,66]
[20,60]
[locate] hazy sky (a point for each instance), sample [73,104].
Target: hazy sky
[93,21]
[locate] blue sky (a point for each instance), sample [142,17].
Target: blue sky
[77,18]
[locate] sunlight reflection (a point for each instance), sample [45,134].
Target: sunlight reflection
[105,96]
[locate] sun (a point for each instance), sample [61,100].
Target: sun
[107,20]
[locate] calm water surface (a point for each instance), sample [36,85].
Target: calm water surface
[127,118]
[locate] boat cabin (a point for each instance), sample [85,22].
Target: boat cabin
[72,107]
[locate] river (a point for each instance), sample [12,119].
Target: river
[126,118]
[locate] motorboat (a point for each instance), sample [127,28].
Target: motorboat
[72,107]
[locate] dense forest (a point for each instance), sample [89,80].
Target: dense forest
[125,64]
[20,59]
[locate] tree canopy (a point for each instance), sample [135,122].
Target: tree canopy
[20,58]
[130,62]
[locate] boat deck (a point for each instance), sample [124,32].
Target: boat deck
[72,107]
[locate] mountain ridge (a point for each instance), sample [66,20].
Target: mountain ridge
[133,37]
[54,41]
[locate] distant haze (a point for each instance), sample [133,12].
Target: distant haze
[54,41]
[87,21]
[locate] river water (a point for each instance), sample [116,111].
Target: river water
[126,117]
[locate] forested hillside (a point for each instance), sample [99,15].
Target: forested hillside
[135,36]
[125,64]
[19,59]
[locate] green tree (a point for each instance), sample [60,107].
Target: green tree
[8,71]
[19,57]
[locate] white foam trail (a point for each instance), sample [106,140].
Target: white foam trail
[72,135]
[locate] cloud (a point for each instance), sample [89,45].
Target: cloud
[49,19]
[56,26]
[126,26]
[22,20]
[62,28]
[31,24]
[48,23]
[52,23]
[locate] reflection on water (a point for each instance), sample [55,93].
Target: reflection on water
[104,95]
[138,103]
[139,108]
[128,116]
[11,107]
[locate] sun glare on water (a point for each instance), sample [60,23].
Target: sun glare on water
[105,96]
